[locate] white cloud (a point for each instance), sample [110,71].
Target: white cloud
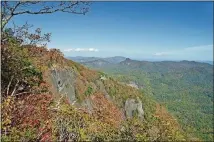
[161,53]
[200,48]
[81,50]
[189,50]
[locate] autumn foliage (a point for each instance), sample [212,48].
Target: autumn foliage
[44,115]
[27,113]
[106,111]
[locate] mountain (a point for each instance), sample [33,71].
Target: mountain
[47,97]
[116,59]
[83,59]
[98,62]
[112,60]
[184,87]
[209,62]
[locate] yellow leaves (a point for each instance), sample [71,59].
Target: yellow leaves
[7,102]
[6,113]
[54,65]
[43,68]
[83,135]
[141,137]
[6,122]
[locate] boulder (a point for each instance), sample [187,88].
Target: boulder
[132,106]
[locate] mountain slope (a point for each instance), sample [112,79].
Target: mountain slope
[110,102]
[79,104]
[184,87]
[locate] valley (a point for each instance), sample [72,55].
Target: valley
[185,88]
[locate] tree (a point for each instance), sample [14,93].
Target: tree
[14,8]
[18,75]
[21,76]
[22,35]
[16,67]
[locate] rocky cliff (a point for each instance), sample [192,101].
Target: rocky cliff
[90,105]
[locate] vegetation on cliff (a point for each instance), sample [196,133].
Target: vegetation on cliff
[185,88]
[33,110]
[45,97]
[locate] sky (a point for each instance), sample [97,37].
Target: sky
[138,30]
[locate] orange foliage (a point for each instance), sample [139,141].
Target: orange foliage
[106,111]
[90,75]
[32,112]
[80,86]
[163,114]
[42,56]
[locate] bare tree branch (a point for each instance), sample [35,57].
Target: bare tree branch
[6,18]
[14,90]
[8,87]
[22,35]
[21,93]
[11,9]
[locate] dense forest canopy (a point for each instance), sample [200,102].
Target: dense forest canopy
[184,87]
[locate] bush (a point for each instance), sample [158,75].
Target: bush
[18,75]
[89,91]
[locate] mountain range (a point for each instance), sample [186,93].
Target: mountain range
[117,59]
[184,87]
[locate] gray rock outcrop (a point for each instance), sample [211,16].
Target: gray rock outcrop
[63,81]
[132,106]
[102,89]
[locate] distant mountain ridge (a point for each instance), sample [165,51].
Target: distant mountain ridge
[185,87]
[115,59]
[98,62]
[118,59]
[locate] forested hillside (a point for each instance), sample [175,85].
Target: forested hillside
[46,97]
[185,88]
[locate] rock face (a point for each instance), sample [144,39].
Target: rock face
[87,104]
[101,88]
[133,84]
[132,106]
[63,80]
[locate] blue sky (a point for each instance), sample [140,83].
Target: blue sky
[138,30]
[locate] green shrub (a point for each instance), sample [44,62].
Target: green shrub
[89,91]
